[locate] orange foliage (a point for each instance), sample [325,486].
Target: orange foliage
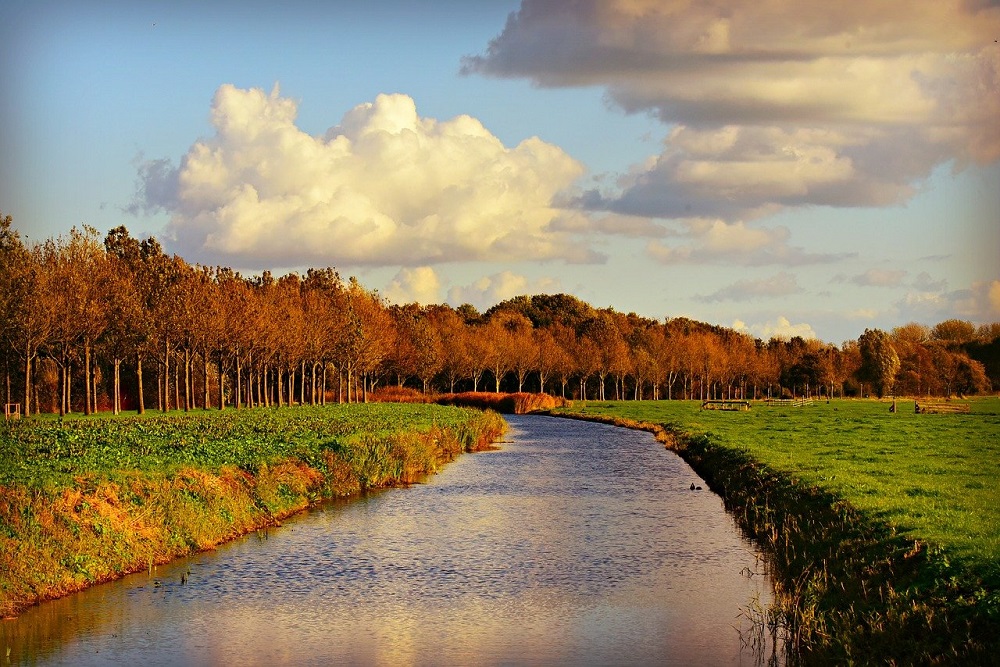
[508,404]
[398,395]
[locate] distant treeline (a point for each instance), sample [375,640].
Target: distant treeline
[116,323]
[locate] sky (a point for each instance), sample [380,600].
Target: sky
[775,166]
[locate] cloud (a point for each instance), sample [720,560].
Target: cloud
[925,283]
[719,242]
[610,224]
[490,290]
[880,278]
[868,314]
[773,104]
[892,278]
[980,303]
[780,328]
[420,285]
[384,186]
[782,284]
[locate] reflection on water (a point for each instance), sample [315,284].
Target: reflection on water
[576,543]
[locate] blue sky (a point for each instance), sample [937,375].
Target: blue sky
[796,173]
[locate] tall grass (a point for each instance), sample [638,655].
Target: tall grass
[884,529]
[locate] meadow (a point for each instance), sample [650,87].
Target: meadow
[90,499]
[883,528]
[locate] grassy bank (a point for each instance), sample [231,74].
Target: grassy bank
[89,500]
[506,404]
[883,529]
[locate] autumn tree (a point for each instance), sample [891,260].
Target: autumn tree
[879,361]
[27,307]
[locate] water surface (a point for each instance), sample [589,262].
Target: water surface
[576,543]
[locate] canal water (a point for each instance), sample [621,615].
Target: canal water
[576,543]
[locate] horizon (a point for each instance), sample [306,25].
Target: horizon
[787,174]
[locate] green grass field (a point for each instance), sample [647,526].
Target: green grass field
[934,477]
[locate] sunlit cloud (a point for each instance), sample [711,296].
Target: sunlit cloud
[782,284]
[780,328]
[772,104]
[384,186]
[719,242]
[417,285]
[880,278]
[492,289]
[980,303]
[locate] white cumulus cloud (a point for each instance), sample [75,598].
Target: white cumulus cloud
[772,104]
[417,285]
[384,186]
[781,328]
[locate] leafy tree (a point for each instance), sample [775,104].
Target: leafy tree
[879,361]
[27,306]
[954,331]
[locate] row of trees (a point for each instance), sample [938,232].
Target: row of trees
[114,323]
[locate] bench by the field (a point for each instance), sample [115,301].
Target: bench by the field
[788,402]
[11,411]
[725,405]
[941,408]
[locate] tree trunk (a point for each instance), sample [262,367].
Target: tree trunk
[35,393]
[222,384]
[302,384]
[62,389]
[166,375]
[177,386]
[117,402]
[204,398]
[279,398]
[187,379]
[138,377]
[312,389]
[322,400]
[239,383]
[86,377]
[27,385]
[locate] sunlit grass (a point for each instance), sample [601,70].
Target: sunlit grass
[934,477]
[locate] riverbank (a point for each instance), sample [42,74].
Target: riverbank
[882,529]
[90,500]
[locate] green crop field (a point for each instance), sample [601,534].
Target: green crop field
[44,452]
[934,477]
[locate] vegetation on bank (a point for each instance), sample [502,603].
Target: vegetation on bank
[89,500]
[882,528]
[507,404]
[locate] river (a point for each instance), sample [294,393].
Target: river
[576,543]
